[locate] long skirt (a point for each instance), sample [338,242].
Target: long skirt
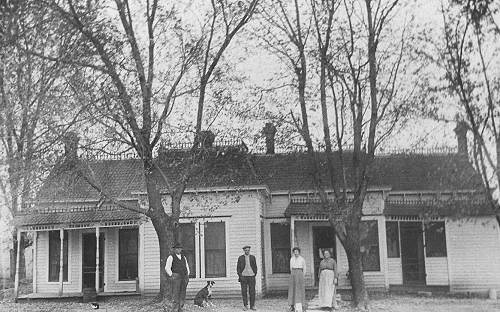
[327,288]
[296,289]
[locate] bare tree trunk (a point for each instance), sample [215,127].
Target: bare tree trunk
[359,293]
[163,228]
[162,223]
[352,246]
[201,101]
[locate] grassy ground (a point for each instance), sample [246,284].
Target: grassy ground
[389,303]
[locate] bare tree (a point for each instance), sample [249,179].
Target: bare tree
[357,78]
[145,84]
[466,52]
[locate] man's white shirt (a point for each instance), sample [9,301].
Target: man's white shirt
[168,265]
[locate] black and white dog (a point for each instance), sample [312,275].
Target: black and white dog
[204,296]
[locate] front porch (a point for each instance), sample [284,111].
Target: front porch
[306,226]
[78,250]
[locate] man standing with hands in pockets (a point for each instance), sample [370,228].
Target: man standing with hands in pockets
[178,269]
[247,269]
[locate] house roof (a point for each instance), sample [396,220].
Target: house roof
[304,208]
[75,216]
[405,172]
[442,208]
[279,172]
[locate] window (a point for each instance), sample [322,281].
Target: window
[435,239]
[187,239]
[369,245]
[392,235]
[55,256]
[280,247]
[215,249]
[128,254]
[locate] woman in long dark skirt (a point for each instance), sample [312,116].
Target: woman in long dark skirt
[296,287]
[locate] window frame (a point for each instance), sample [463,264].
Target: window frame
[379,269]
[67,249]
[427,241]
[119,279]
[398,247]
[200,244]
[195,273]
[288,248]
[205,225]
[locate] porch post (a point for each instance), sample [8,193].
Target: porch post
[97,259]
[292,231]
[16,276]
[35,255]
[61,261]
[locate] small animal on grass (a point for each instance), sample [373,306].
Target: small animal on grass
[204,296]
[94,305]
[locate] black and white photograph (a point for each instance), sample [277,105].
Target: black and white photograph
[250,155]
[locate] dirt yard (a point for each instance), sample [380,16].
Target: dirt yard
[391,303]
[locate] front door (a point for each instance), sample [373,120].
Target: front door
[412,253]
[88,261]
[323,238]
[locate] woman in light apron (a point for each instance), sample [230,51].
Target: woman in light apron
[327,280]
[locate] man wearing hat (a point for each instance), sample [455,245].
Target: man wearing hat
[247,269]
[178,269]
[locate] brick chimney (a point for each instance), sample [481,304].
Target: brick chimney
[269,131]
[461,133]
[205,139]
[71,145]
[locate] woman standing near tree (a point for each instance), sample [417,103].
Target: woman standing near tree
[327,281]
[296,287]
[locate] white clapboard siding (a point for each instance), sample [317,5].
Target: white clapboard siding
[74,264]
[395,273]
[374,279]
[151,258]
[242,219]
[111,263]
[473,254]
[277,207]
[436,269]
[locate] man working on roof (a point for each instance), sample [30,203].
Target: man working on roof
[247,269]
[178,269]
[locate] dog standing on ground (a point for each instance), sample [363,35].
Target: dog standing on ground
[204,296]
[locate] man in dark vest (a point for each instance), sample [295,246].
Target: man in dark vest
[247,269]
[178,270]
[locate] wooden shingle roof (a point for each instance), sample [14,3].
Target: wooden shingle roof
[279,172]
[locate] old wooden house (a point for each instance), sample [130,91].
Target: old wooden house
[425,223]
